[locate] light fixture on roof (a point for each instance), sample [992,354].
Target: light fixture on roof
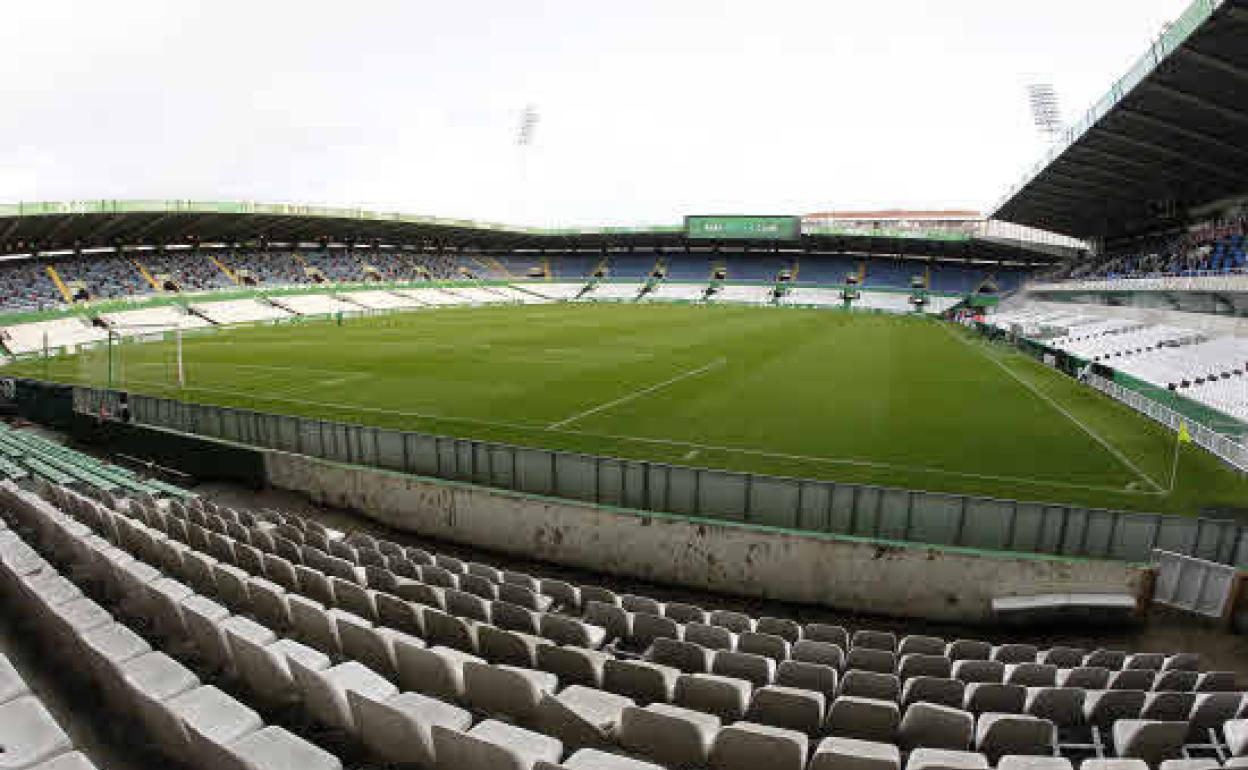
[1046,111]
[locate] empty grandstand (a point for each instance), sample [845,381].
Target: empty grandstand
[287,487]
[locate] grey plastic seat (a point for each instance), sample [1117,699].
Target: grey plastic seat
[648,627]
[399,614]
[870,684]
[997,735]
[756,669]
[265,668]
[789,708]
[1210,712]
[599,594]
[593,759]
[824,653]
[969,649]
[725,697]
[738,623]
[646,604]
[11,683]
[1182,661]
[786,629]
[313,625]
[823,632]
[710,637]
[1149,740]
[203,619]
[922,645]
[274,748]
[769,645]
[617,621]
[469,605]
[581,717]
[930,689]
[685,613]
[808,676]
[507,691]
[1102,658]
[978,671]
[155,677]
[945,759]
[870,659]
[324,690]
[686,656]
[853,754]
[574,665]
[747,746]
[1063,706]
[927,725]
[561,629]
[437,672]
[1015,653]
[1167,706]
[105,649]
[192,727]
[1132,679]
[1176,681]
[922,664]
[562,592]
[1062,657]
[399,728]
[670,735]
[1031,674]
[641,680]
[1152,661]
[1216,681]
[372,646]
[1085,677]
[447,630]
[866,719]
[983,697]
[28,734]
[1020,762]
[874,640]
[509,647]
[515,618]
[354,598]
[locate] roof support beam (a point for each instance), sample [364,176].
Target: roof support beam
[1182,157]
[1151,121]
[1215,62]
[1199,101]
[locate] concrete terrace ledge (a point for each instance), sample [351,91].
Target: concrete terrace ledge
[941,583]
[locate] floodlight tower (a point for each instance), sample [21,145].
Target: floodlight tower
[1046,111]
[524,140]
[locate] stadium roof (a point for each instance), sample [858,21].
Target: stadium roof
[48,227]
[1171,134]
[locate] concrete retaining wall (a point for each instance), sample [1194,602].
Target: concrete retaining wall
[904,580]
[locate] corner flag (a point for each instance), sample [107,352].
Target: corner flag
[1184,436]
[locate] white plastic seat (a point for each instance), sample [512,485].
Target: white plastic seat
[203,618]
[506,690]
[492,745]
[399,728]
[945,759]
[28,734]
[926,725]
[574,665]
[789,708]
[997,735]
[853,754]
[723,696]
[641,680]
[509,647]
[757,669]
[190,725]
[581,716]
[866,719]
[670,735]
[324,691]
[808,676]
[274,748]
[437,672]
[746,746]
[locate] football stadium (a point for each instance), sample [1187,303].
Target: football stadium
[287,485]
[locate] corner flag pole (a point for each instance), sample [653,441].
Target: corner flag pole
[1181,437]
[181,373]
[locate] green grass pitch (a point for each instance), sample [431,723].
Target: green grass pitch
[889,400]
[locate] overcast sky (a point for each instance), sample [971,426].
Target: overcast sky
[648,109]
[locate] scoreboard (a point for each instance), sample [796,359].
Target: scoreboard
[743,228]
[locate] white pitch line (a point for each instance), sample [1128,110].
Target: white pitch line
[850,461]
[638,393]
[1062,410]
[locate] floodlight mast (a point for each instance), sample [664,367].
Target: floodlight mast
[524,140]
[1046,111]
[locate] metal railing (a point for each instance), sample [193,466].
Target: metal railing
[807,505]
